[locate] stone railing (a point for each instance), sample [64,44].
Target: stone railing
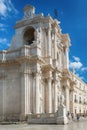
[24,51]
[12,54]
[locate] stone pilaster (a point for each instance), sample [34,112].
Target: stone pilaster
[66,58]
[29,94]
[49,41]
[4,95]
[49,96]
[55,45]
[24,91]
[55,96]
[71,102]
[49,45]
[67,99]
[37,78]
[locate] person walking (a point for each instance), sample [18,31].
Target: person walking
[78,117]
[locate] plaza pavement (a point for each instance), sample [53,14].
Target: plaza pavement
[73,125]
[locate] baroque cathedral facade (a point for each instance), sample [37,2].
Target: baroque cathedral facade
[34,71]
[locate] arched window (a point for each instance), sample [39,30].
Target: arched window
[29,36]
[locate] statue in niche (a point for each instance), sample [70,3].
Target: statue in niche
[37,35]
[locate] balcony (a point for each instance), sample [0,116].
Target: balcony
[25,51]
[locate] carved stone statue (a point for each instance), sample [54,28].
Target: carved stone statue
[61,113]
[37,35]
[62,100]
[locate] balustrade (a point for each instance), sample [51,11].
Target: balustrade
[11,54]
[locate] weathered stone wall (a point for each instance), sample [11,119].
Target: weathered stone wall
[10,92]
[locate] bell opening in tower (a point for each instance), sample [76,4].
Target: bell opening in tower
[29,36]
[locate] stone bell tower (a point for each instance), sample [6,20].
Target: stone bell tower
[24,30]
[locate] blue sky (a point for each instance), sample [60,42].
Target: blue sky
[71,13]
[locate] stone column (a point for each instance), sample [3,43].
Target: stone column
[67,99]
[71,102]
[55,48]
[24,92]
[55,45]
[66,58]
[49,41]
[37,78]
[55,96]
[29,94]
[49,97]
[4,94]
[49,45]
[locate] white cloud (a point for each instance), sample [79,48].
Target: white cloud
[76,65]
[76,58]
[3,8]
[81,77]
[3,40]
[2,29]
[1,25]
[7,7]
[84,69]
[8,44]
[79,67]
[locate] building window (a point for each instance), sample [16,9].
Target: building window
[75,111]
[75,100]
[84,101]
[80,100]
[80,85]
[80,111]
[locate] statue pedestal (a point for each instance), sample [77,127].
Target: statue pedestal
[61,115]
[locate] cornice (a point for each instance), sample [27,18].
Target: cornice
[22,59]
[75,87]
[66,74]
[9,63]
[35,20]
[65,40]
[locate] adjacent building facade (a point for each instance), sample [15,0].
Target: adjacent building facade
[79,104]
[34,71]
